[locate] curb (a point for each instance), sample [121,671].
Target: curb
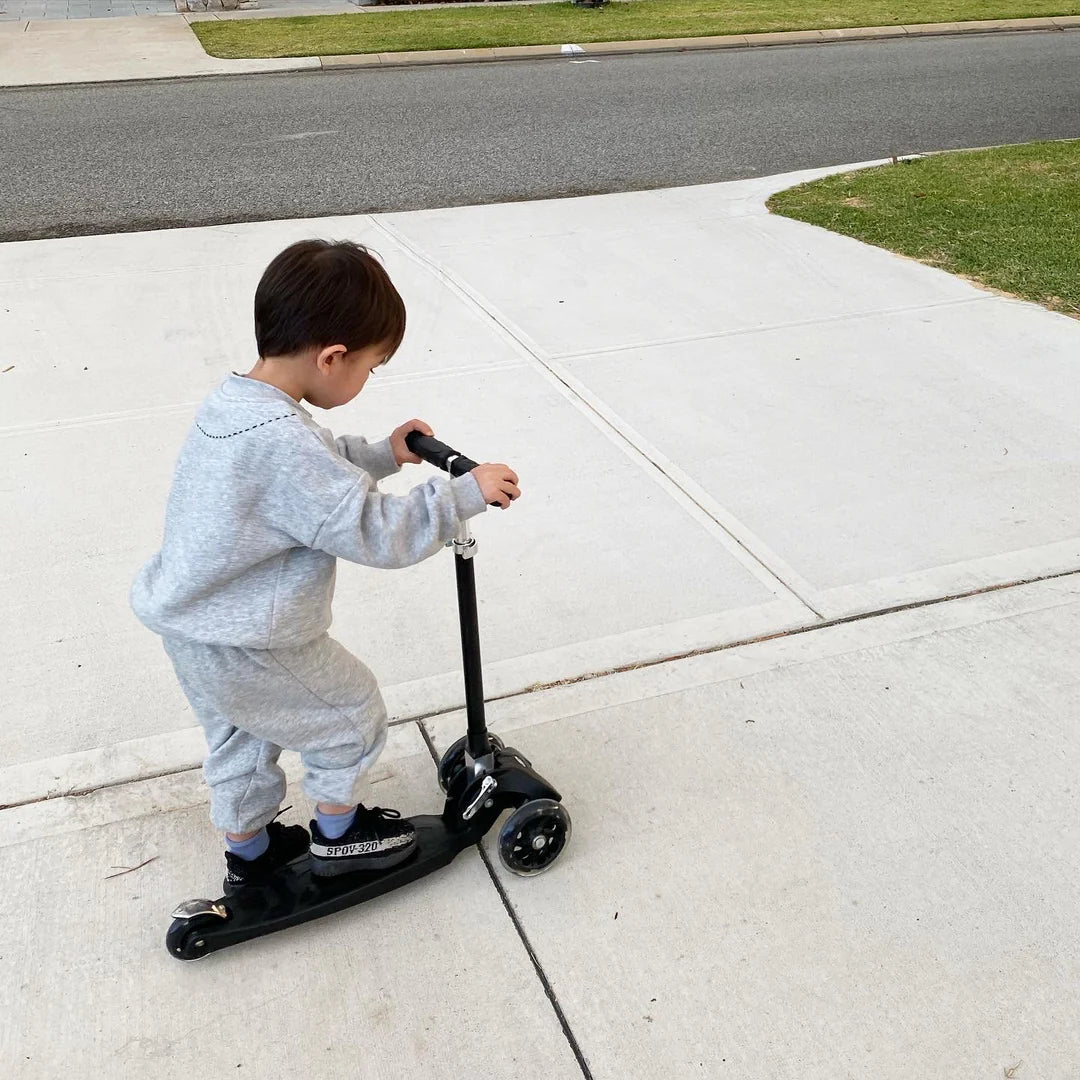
[728,41]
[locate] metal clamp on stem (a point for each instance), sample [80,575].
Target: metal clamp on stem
[464,543]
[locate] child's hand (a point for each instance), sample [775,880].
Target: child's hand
[402,454]
[498,484]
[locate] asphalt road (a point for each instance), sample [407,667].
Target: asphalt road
[128,156]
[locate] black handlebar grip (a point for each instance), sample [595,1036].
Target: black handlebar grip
[439,454]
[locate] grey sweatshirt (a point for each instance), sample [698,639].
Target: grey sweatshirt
[263,503]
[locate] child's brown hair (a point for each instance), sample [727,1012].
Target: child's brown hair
[322,292]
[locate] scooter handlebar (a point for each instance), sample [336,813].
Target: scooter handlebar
[439,454]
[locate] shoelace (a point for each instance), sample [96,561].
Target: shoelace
[374,811]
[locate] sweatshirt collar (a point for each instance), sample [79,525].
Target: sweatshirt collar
[240,386]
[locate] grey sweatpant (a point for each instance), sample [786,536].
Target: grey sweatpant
[317,699]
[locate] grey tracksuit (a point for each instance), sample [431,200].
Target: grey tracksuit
[263,503]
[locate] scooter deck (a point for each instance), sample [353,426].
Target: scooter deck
[297,896]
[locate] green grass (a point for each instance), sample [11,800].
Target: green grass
[1008,218]
[555,24]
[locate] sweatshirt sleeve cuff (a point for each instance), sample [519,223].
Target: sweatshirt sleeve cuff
[383,462]
[468,496]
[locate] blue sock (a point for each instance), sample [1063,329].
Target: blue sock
[333,826]
[251,848]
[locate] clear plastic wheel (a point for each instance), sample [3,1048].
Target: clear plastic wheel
[534,836]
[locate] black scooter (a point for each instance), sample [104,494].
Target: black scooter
[480,776]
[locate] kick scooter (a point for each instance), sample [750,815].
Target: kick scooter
[479,775]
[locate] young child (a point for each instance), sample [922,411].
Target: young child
[263,503]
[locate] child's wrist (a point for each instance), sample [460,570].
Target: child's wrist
[468,496]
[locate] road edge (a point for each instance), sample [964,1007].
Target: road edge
[699,44]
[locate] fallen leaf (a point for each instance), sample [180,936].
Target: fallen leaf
[129,869]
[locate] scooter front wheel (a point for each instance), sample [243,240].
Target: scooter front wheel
[534,836]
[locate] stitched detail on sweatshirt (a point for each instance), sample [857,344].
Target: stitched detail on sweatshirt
[243,431]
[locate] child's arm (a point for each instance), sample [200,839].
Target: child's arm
[392,531]
[382,459]
[327,503]
[378,460]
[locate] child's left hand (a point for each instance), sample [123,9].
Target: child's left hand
[402,454]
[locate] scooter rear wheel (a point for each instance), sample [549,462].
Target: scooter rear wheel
[185,939]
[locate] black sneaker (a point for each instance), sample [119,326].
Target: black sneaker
[376,840]
[287,844]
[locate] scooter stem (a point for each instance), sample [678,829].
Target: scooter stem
[464,549]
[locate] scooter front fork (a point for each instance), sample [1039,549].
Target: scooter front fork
[501,780]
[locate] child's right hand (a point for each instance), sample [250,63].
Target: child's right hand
[498,483]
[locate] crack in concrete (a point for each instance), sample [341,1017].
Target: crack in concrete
[609,424]
[545,982]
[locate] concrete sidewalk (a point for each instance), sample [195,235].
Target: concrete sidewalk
[111,9]
[846,851]
[43,52]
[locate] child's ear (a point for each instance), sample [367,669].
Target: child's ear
[329,356]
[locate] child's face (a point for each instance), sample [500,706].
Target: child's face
[342,375]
